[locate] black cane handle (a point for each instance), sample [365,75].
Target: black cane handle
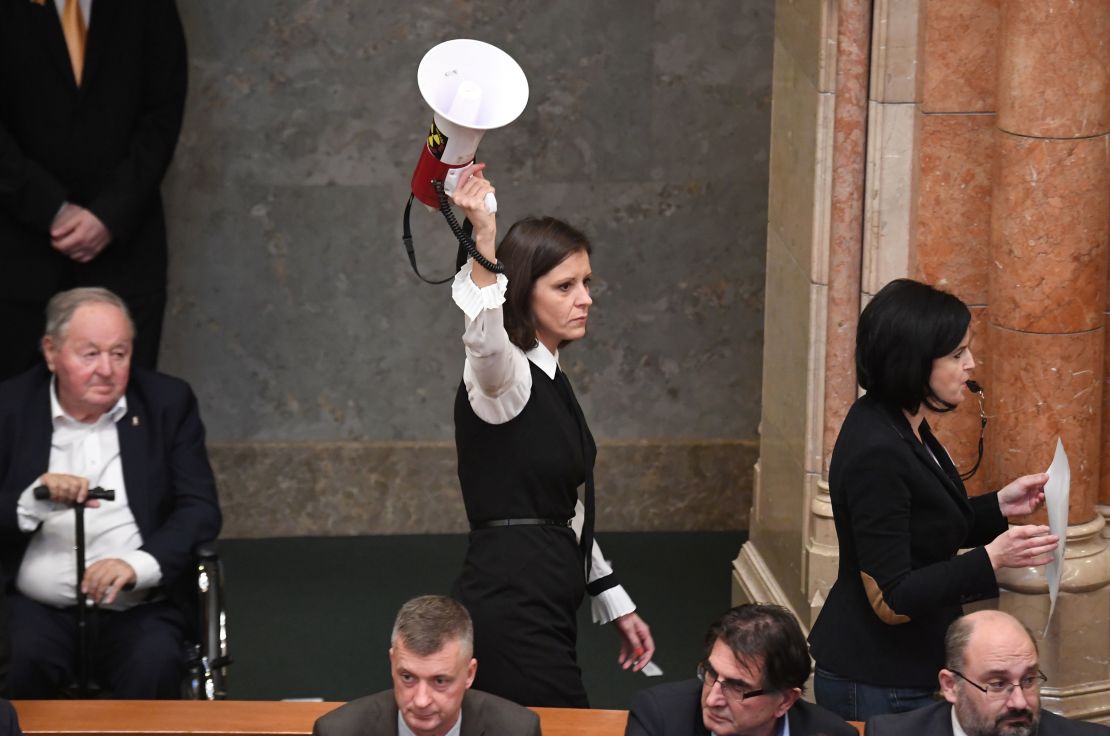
[42,493]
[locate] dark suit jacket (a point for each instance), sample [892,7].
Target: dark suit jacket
[9,722]
[376,715]
[936,720]
[170,486]
[104,145]
[674,709]
[900,517]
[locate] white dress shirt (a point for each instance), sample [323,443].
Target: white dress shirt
[86,10]
[957,729]
[48,573]
[498,383]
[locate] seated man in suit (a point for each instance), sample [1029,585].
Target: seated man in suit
[991,685]
[85,419]
[749,684]
[431,657]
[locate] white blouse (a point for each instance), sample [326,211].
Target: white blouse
[498,383]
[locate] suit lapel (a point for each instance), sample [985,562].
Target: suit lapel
[47,24]
[134,433]
[925,457]
[39,426]
[99,40]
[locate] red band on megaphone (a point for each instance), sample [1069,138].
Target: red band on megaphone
[428,168]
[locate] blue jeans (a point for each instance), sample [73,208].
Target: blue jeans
[858,701]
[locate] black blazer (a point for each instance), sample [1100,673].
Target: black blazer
[104,145]
[674,709]
[376,715]
[170,486]
[936,720]
[900,517]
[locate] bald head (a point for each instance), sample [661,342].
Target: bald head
[992,677]
[993,630]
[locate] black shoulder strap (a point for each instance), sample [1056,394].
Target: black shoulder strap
[406,238]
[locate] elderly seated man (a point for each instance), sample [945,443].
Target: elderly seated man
[991,683]
[87,419]
[749,684]
[432,660]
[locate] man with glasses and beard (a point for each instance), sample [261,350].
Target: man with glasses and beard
[749,684]
[991,683]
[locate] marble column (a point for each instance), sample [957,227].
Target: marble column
[1047,294]
[1104,490]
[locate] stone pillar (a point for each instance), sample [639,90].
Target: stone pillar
[1104,492]
[773,565]
[1048,287]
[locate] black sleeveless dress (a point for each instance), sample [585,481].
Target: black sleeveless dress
[523,585]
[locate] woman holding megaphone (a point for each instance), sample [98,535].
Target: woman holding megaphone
[523,450]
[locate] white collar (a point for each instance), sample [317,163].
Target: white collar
[543,359]
[57,413]
[957,729]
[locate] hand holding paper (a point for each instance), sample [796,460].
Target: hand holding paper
[1027,545]
[1024,496]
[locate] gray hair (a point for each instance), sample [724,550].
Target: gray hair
[426,624]
[63,305]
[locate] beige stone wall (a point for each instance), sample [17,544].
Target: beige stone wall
[293,489]
[791,427]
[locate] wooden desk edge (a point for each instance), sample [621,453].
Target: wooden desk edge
[240,718]
[244,718]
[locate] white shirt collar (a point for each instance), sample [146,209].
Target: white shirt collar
[543,359]
[957,729]
[57,413]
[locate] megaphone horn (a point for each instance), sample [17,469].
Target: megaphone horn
[472,87]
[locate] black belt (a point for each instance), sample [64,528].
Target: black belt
[495,523]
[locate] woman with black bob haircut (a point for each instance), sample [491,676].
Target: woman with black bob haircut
[902,513]
[524,448]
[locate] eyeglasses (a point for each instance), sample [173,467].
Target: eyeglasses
[1003,688]
[734,691]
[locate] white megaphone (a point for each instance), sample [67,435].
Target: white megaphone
[471,87]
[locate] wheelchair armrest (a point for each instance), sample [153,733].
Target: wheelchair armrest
[206,550]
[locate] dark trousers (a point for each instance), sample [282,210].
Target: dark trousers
[22,325]
[137,653]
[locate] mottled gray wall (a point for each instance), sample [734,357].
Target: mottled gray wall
[292,309]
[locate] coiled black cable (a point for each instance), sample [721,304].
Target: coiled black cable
[465,239]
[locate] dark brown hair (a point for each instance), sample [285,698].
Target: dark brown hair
[768,634]
[532,247]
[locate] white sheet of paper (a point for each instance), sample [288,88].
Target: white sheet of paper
[1056,494]
[652,670]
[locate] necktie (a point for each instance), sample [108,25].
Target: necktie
[73,26]
[587,540]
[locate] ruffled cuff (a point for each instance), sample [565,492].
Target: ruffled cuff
[611,604]
[471,299]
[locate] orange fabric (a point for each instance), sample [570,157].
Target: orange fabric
[73,26]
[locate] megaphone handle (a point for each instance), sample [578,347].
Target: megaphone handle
[451,180]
